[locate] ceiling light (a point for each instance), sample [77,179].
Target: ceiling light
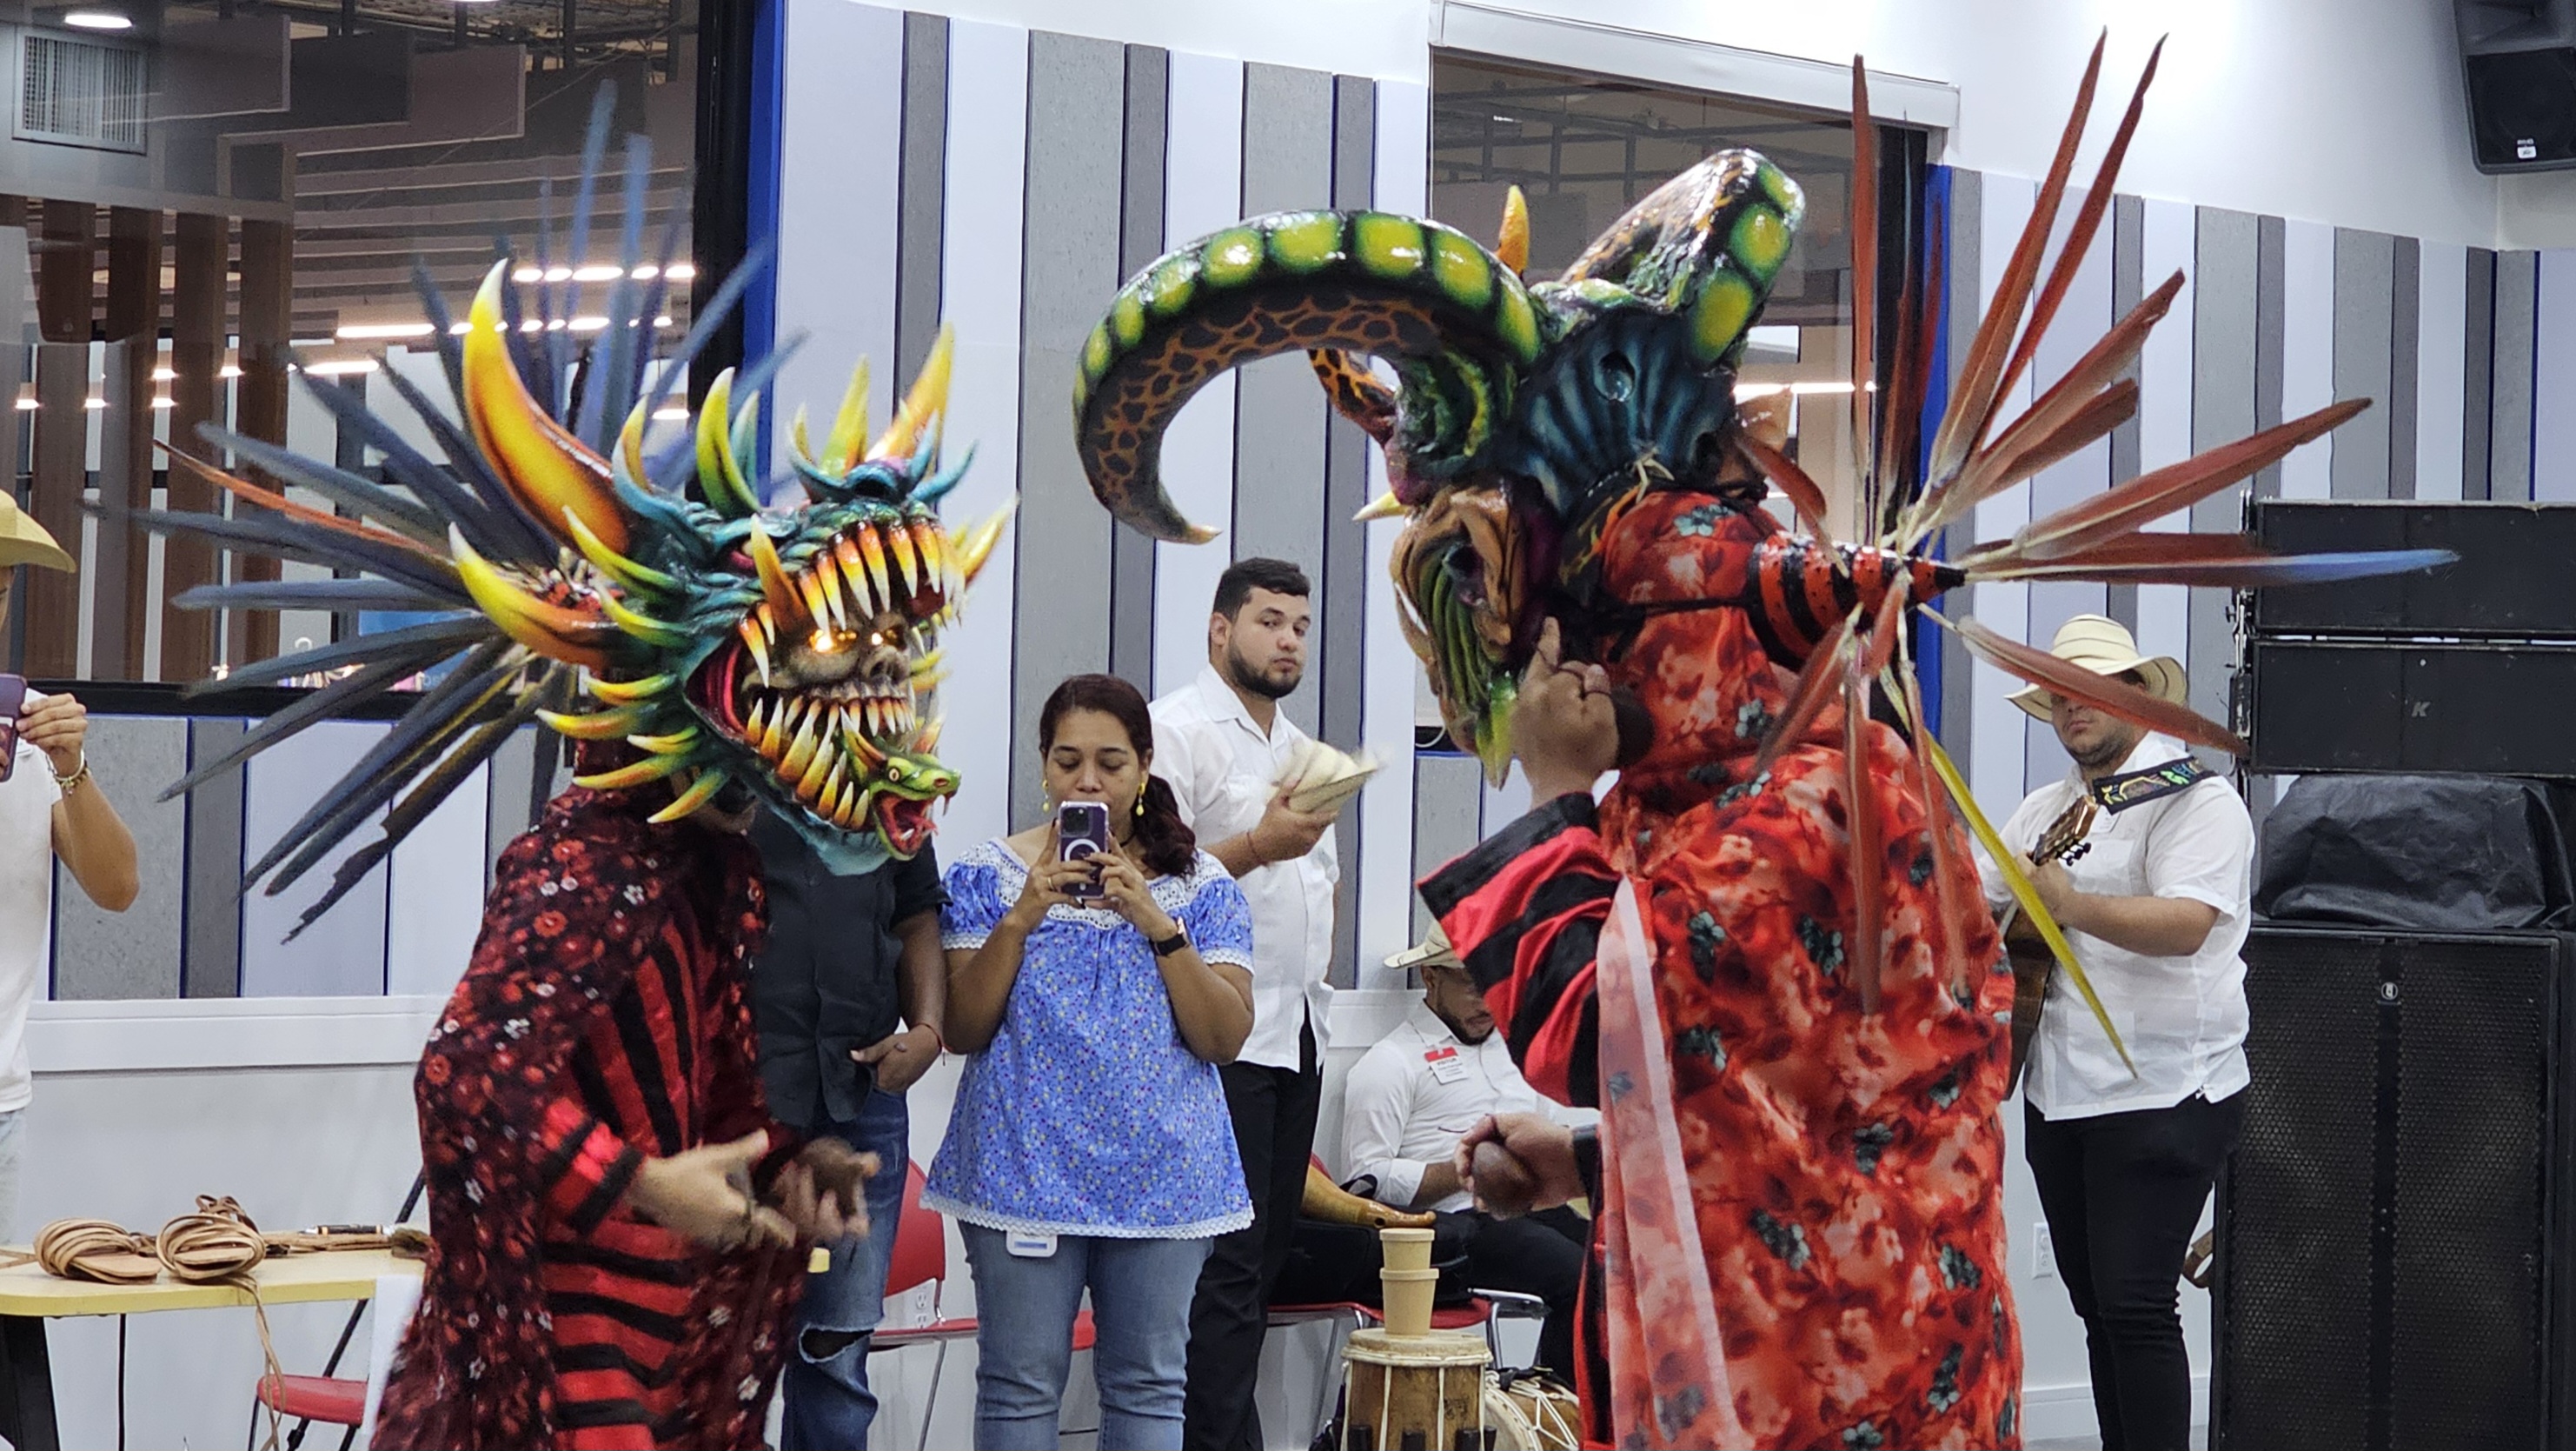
[229,372]
[682,271]
[554,325]
[558,274]
[159,403]
[527,274]
[459,329]
[588,324]
[97,20]
[667,413]
[663,321]
[93,403]
[162,375]
[530,325]
[645,273]
[598,273]
[28,405]
[356,332]
[341,367]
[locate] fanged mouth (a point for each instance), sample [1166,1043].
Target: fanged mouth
[850,581]
[906,824]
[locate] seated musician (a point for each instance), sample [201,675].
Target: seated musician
[1408,1101]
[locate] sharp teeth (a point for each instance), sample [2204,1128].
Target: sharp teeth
[875,720]
[812,592]
[854,575]
[754,641]
[817,769]
[833,783]
[872,549]
[899,539]
[934,568]
[828,580]
[800,751]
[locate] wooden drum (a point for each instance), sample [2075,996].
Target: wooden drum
[1413,1392]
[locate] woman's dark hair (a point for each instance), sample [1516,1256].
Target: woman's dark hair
[1163,841]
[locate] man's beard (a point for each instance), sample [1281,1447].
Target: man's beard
[1249,678]
[2114,749]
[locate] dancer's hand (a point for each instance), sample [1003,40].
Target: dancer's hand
[819,1192]
[1518,1162]
[704,1193]
[1564,728]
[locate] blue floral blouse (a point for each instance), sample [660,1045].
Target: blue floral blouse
[1088,1115]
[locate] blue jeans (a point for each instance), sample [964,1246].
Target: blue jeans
[1024,1311]
[829,1406]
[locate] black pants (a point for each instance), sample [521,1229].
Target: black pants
[1274,1127]
[2123,1192]
[1541,1255]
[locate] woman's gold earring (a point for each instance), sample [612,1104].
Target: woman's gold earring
[1140,801]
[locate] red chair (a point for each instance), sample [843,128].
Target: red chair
[309,1398]
[921,1258]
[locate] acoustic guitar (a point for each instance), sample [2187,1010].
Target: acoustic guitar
[2032,962]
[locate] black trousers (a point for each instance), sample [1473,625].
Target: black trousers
[2123,1192]
[1274,1127]
[1540,1255]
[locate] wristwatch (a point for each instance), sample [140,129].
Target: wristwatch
[1174,943]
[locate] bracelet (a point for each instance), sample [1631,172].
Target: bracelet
[935,1035]
[66,785]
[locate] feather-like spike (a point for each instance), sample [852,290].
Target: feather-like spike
[1804,494]
[933,549]
[775,586]
[719,472]
[2088,221]
[627,778]
[675,743]
[2022,891]
[595,725]
[626,572]
[977,546]
[899,543]
[552,630]
[927,739]
[1807,698]
[701,789]
[309,706]
[306,594]
[872,550]
[2222,561]
[2108,409]
[1946,958]
[1882,628]
[2153,495]
[1863,830]
[630,692]
[1972,402]
[797,448]
[800,747]
[493,518]
[643,627]
[927,400]
[826,617]
[373,500]
[1511,244]
[424,563]
[542,464]
[453,633]
[2101,692]
[849,426]
[630,447]
[743,438]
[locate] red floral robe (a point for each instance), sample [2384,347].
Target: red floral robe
[1845,1171]
[602,1020]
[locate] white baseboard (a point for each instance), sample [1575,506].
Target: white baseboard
[163,1035]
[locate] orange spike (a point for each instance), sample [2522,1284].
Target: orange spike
[774,584]
[547,468]
[1511,245]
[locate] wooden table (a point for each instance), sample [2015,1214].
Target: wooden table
[29,1297]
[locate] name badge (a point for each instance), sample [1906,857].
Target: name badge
[1446,1065]
[1030,1246]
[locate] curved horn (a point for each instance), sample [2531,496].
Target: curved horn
[1708,243]
[540,461]
[1457,323]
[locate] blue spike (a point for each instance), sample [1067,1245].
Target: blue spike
[454,632]
[703,327]
[325,594]
[947,479]
[367,681]
[433,305]
[364,495]
[612,394]
[284,538]
[507,518]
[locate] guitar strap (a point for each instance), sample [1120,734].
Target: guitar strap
[2136,788]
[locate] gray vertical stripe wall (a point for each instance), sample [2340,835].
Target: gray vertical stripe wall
[1140,240]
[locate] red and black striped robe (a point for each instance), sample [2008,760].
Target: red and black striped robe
[602,1021]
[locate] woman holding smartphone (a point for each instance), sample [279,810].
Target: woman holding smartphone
[1090,1147]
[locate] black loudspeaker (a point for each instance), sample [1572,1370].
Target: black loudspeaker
[2520,63]
[2511,555]
[2393,1228]
[2323,705]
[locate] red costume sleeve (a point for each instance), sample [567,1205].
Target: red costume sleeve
[1524,912]
[583,1168]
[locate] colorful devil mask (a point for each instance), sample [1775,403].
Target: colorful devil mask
[713,645]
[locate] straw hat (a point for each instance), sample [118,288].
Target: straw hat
[1432,951]
[24,541]
[2105,647]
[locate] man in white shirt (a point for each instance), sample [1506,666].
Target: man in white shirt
[1222,743]
[2154,894]
[50,807]
[1409,1100]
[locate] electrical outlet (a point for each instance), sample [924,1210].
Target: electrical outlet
[2043,1255]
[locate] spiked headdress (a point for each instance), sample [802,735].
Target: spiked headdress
[782,646]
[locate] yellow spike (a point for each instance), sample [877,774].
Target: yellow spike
[676,743]
[1512,246]
[872,549]
[856,742]
[800,751]
[799,449]
[773,736]
[558,633]
[774,583]
[719,473]
[629,692]
[927,400]
[924,684]
[650,769]
[1384,506]
[643,626]
[630,444]
[627,573]
[597,725]
[547,468]
[757,644]
[834,779]
[899,540]
[850,425]
[701,790]
[930,662]
[827,576]
[978,544]
[825,617]
[933,549]
[926,739]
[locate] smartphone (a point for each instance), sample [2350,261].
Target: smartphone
[13,699]
[1081,830]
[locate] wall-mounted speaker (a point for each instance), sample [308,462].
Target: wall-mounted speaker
[2519,57]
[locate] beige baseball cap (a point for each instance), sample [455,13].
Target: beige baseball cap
[2104,646]
[24,541]
[1432,951]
